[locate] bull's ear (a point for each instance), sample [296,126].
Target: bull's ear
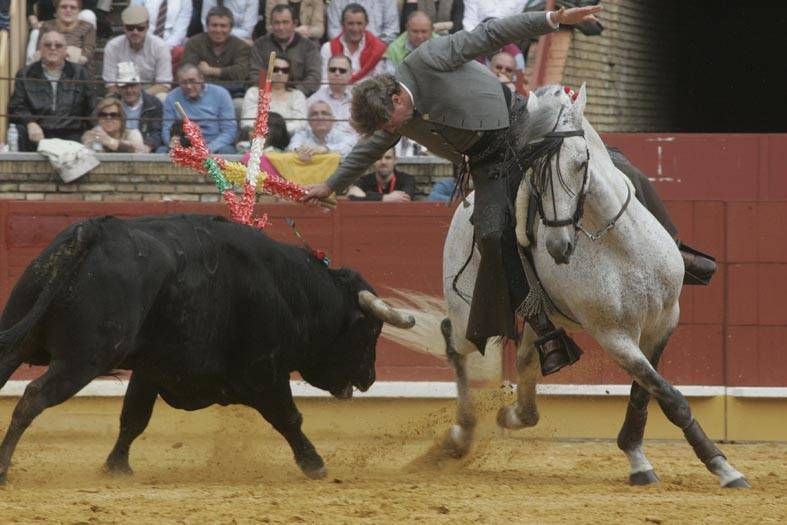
[532,103]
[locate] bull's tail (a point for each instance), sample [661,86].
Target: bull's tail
[59,266]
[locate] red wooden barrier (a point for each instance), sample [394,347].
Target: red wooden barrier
[725,192]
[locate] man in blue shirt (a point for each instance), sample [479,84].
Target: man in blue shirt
[208,105]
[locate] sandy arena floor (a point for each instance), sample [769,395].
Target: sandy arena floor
[225,465]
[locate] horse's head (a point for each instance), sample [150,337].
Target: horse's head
[555,160]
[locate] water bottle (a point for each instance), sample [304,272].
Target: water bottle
[13,138]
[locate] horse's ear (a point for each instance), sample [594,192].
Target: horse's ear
[581,100]
[532,103]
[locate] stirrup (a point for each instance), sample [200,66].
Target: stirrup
[699,266]
[556,350]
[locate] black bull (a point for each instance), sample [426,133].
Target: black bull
[202,311]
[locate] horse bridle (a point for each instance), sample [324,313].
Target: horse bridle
[575,219]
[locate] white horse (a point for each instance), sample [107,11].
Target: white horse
[608,267]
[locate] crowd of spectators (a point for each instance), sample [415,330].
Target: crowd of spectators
[209,55]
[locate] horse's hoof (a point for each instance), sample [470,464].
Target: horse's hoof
[509,418]
[457,441]
[645,477]
[740,483]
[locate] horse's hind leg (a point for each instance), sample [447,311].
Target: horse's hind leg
[59,383]
[673,404]
[524,412]
[459,438]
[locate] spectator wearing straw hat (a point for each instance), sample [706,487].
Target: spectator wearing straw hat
[208,105]
[143,111]
[52,97]
[149,53]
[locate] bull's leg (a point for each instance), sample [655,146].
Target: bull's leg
[9,362]
[278,409]
[134,418]
[59,383]
[628,355]
[524,412]
[459,438]
[631,433]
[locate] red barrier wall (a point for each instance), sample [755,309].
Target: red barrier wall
[726,196]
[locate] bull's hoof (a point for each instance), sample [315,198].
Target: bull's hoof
[313,466]
[457,442]
[318,473]
[118,468]
[3,478]
[645,477]
[740,483]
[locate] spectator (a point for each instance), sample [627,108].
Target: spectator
[503,66]
[442,190]
[142,111]
[382,17]
[5,15]
[177,137]
[169,19]
[287,102]
[149,53]
[80,35]
[446,15]
[110,133]
[321,136]
[309,13]
[385,183]
[419,30]
[221,57]
[206,104]
[245,11]
[337,92]
[51,96]
[302,53]
[278,138]
[364,49]
[476,11]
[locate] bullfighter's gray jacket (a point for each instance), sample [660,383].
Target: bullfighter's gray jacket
[455,97]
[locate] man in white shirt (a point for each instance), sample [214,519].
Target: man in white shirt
[169,19]
[476,11]
[365,50]
[322,136]
[383,17]
[337,91]
[150,55]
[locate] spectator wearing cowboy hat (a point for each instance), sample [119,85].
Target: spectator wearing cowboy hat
[143,111]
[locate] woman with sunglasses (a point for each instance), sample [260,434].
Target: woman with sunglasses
[110,134]
[288,102]
[80,35]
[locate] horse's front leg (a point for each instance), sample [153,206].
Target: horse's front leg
[459,437]
[523,412]
[629,356]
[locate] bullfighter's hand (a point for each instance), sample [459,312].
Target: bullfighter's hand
[34,132]
[576,15]
[314,194]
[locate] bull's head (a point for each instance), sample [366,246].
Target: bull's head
[350,360]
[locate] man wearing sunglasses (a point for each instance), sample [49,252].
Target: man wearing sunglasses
[149,53]
[50,96]
[337,92]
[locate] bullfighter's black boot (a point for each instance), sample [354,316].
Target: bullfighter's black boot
[700,267]
[555,348]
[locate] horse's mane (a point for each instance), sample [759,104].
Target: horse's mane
[536,151]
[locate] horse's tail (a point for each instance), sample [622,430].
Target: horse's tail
[429,312]
[57,263]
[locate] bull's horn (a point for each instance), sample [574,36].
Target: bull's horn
[375,306]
